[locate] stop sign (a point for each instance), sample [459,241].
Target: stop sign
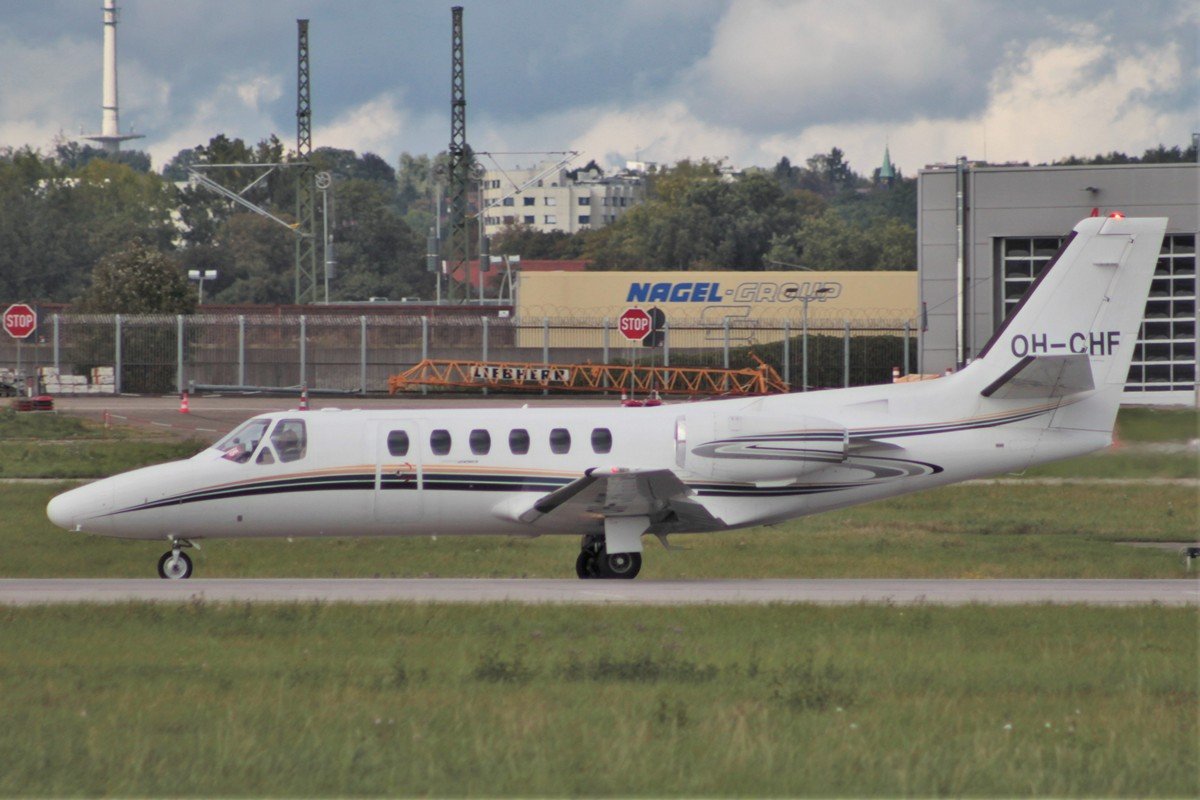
[20,320]
[634,324]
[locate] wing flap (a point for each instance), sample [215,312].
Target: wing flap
[601,493]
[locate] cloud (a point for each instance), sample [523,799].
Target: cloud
[260,90]
[751,80]
[775,65]
[37,78]
[1051,100]
[1048,99]
[382,126]
[234,106]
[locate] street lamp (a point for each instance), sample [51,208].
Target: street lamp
[817,294]
[324,181]
[200,276]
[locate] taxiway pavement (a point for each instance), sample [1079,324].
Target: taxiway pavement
[20,591]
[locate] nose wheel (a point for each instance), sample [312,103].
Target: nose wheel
[175,565]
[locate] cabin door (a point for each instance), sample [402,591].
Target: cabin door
[399,476]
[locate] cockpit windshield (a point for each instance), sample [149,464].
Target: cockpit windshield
[239,445]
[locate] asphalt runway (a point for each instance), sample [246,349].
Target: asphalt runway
[726,592]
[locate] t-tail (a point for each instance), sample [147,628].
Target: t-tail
[1071,339]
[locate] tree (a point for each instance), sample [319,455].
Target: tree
[830,241]
[73,155]
[1154,155]
[832,172]
[348,165]
[138,279]
[203,212]
[257,261]
[530,243]
[57,223]
[669,184]
[377,253]
[699,219]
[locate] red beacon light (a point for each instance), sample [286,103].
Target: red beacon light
[1116,215]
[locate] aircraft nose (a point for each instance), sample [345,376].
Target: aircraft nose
[72,509]
[62,510]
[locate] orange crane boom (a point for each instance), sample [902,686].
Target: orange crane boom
[694,381]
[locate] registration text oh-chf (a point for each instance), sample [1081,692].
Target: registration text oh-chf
[1093,343]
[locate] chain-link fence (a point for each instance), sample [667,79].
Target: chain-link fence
[159,354]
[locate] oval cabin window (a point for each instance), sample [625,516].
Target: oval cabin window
[518,441]
[480,441]
[397,442]
[601,440]
[439,442]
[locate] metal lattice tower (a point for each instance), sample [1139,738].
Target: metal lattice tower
[458,251]
[306,193]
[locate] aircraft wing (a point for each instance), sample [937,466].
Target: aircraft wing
[1043,376]
[613,492]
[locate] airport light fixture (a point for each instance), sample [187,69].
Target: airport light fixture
[200,276]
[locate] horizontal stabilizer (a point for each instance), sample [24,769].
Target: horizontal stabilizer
[1043,376]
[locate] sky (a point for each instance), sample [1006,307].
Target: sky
[748,81]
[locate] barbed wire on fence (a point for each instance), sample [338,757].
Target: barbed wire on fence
[163,353]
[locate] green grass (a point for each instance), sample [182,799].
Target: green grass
[45,426]
[1158,424]
[88,459]
[998,531]
[1120,463]
[62,446]
[504,700]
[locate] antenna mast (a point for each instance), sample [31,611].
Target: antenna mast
[110,136]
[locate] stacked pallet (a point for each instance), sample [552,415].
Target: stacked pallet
[103,381]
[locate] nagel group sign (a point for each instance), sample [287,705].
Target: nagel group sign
[713,296]
[710,298]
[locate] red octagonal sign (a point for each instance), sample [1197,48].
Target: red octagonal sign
[20,320]
[634,324]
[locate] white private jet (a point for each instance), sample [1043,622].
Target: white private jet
[1045,387]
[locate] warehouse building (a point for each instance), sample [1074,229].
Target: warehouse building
[985,232]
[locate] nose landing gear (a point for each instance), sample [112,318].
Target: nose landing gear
[175,564]
[595,561]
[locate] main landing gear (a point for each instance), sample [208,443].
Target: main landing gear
[175,565]
[596,562]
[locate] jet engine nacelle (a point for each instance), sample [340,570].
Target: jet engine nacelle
[756,448]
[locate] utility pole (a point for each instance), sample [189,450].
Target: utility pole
[306,201]
[458,251]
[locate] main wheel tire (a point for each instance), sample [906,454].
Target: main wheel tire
[583,565]
[174,568]
[624,566]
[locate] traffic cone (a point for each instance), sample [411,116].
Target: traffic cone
[895,374]
[183,402]
[303,398]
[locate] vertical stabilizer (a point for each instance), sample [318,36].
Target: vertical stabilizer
[1074,332]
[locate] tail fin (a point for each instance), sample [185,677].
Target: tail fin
[1073,333]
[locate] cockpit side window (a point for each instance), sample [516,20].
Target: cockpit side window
[290,439]
[240,444]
